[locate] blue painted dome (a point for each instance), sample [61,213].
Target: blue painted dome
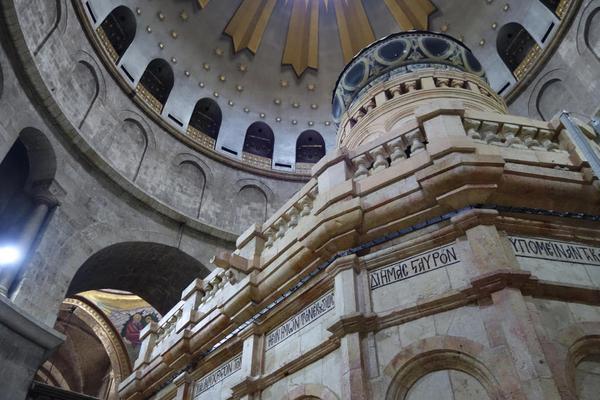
[400,53]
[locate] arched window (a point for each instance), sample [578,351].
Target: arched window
[259,142]
[119,28]
[310,147]
[206,117]
[157,81]
[514,44]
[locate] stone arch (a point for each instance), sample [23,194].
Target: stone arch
[42,158]
[188,187]
[576,343]
[89,333]
[59,17]
[513,44]
[310,391]
[592,32]
[436,354]
[251,204]
[539,105]
[119,27]
[587,16]
[551,90]
[156,272]
[86,77]
[128,147]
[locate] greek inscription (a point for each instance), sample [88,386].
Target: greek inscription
[216,376]
[417,265]
[555,250]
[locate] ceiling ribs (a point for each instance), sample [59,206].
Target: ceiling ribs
[248,24]
[302,44]
[353,26]
[411,14]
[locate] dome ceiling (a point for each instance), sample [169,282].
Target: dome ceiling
[277,61]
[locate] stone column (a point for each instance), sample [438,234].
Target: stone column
[43,203]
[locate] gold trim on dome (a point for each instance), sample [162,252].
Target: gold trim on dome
[148,98]
[411,14]
[115,300]
[257,161]
[248,24]
[201,138]
[528,62]
[107,44]
[563,7]
[202,3]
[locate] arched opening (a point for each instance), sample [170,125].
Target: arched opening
[592,32]
[310,148]
[587,377]
[26,173]
[447,384]
[258,145]
[156,84]
[117,31]
[91,361]
[155,272]
[205,122]
[514,45]
[553,97]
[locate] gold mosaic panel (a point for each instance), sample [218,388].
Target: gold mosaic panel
[256,161]
[106,44]
[147,97]
[201,138]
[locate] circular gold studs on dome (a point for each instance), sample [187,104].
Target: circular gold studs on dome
[311,123]
[219,51]
[174,34]
[482,42]
[494,25]
[246,110]
[239,88]
[444,28]
[161,45]
[278,119]
[314,106]
[230,103]
[183,15]
[173,60]
[160,15]
[242,67]
[311,87]
[327,123]
[187,73]
[138,11]
[201,84]
[148,29]
[222,78]
[506,7]
[277,101]
[206,66]
[284,83]
[294,122]
[216,94]
[296,104]
[262,115]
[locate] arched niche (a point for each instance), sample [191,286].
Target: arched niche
[587,377]
[157,81]
[128,147]
[310,147]
[514,44]
[119,28]
[86,78]
[155,272]
[93,359]
[553,97]
[250,205]
[446,384]
[258,145]
[206,118]
[592,32]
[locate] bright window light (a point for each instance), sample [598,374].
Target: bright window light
[9,255]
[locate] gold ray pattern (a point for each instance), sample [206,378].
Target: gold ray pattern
[302,43]
[353,26]
[248,24]
[411,14]
[202,3]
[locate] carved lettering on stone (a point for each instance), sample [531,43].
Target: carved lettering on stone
[417,265]
[555,250]
[225,370]
[302,319]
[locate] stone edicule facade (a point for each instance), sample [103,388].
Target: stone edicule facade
[445,249]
